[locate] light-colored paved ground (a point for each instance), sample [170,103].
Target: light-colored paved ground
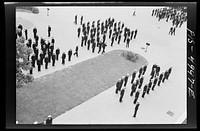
[165,50]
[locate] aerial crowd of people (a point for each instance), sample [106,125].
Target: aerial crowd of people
[45,54]
[94,34]
[177,15]
[137,82]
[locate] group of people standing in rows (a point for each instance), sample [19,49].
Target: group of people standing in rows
[136,83]
[177,15]
[46,55]
[93,35]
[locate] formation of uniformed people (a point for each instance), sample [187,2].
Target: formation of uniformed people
[177,15]
[156,78]
[45,53]
[95,34]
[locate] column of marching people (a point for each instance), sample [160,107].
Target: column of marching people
[96,35]
[136,82]
[177,15]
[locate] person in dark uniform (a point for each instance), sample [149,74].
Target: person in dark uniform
[53,59]
[133,89]
[157,70]
[34,46]
[88,44]
[100,45]
[141,82]
[119,39]
[26,34]
[57,53]
[82,40]
[52,40]
[169,72]
[118,86]
[136,96]
[127,42]
[144,90]
[136,109]
[160,79]
[49,56]
[104,38]
[63,58]
[30,42]
[121,83]
[103,46]
[126,79]
[149,86]
[173,31]
[81,20]
[46,60]
[86,37]
[154,82]
[135,34]
[41,57]
[112,39]
[140,72]
[76,51]
[153,73]
[69,54]
[39,65]
[121,94]
[35,32]
[36,39]
[110,33]
[36,53]
[79,31]
[75,21]
[49,120]
[144,69]
[137,82]
[49,31]
[33,59]
[93,46]
[133,76]
[164,77]
[132,32]
[48,45]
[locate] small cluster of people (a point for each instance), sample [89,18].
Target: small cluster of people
[136,83]
[48,121]
[46,54]
[178,16]
[122,87]
[94,35]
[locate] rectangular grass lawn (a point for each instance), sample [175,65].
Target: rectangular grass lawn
[62,90]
